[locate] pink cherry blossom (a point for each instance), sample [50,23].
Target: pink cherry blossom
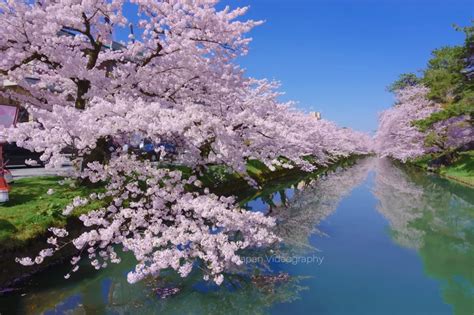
[396,136]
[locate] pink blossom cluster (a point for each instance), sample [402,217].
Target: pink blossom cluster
[452,134]
[260,129]
[150,213]
[396,136]
[175,80]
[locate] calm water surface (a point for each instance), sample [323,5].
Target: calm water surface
[371,239]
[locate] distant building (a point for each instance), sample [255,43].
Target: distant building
[316,115]
[22,114]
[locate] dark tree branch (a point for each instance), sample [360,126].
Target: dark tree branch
[35,56]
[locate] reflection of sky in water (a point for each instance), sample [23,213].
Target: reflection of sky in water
[261,205]
[69,304]
[257,205]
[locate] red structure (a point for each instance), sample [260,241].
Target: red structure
[8,117]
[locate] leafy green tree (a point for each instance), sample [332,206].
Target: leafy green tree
[444,74]
[404,80]
[450,77]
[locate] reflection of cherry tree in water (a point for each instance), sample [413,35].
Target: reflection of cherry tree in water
[239,296]
[109,292]
[437,218]
[400,202]
[299,217]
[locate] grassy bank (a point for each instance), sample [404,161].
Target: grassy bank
[31,210]
[460,170]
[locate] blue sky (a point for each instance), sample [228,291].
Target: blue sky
[338,56]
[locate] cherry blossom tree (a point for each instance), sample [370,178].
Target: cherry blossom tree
[176,81]
[450,135]
[396,136]
[399,136]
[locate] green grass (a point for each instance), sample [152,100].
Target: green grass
[30,210]
[462,169]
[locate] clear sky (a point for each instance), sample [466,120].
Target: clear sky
[338,56]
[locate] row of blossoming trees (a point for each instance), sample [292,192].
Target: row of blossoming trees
[175,81]
[433,114]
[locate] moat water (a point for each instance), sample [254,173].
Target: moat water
[370,239]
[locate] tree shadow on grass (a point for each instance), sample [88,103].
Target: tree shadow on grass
[6,229]
[17,198]
[6,226]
